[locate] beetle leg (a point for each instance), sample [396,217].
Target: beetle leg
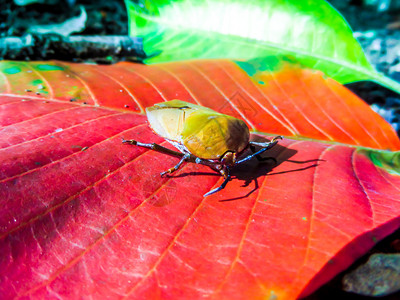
[153,146]
[173,169]
[259,158]
[224,172]
[265,146]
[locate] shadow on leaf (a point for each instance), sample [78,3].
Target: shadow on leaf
[251,170]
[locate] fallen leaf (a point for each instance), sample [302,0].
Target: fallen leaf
[102,223]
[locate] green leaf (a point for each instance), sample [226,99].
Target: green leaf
[390,161]
[310,32]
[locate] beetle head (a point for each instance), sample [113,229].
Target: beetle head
[229,158]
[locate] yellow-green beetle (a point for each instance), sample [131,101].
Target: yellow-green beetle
[202,136]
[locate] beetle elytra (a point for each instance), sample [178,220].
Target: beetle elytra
[202,136]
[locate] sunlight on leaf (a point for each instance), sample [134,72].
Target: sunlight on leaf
[311,32]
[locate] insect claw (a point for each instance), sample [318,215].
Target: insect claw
[226,173]
[218,188]
[165,172]
[131,142]
[278,137]
[211,192]
[169,171]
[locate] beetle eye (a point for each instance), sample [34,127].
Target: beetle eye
[229,158]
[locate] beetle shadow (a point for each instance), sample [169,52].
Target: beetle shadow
[251,170]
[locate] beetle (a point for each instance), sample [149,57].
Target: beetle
[202,136]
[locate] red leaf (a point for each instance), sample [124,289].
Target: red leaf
[99,221]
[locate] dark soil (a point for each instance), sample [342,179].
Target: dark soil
[104,17]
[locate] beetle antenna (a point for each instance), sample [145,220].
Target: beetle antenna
[227,178]
[269,145]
